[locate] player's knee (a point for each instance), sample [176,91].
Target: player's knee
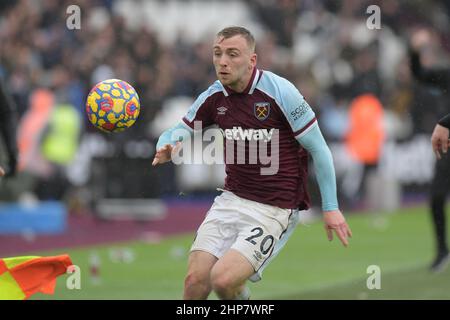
[221,283]
[197,281]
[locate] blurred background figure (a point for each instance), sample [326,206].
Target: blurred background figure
[59,146]
[364,139]
[421,42]
[8,126]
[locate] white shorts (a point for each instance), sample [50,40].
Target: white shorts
[258,231]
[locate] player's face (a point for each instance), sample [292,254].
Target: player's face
[234,61]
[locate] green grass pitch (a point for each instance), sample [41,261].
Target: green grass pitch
[309,267]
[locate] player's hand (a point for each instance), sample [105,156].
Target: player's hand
[164,154]
[2,172]
[439,140]
[334,220]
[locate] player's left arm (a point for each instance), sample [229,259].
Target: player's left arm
[303,123]
[315,144]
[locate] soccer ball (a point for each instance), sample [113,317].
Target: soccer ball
[112,105]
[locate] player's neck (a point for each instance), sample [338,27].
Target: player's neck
[243,83]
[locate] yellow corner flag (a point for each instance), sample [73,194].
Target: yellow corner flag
[21,277]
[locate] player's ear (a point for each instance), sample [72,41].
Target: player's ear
[253,60]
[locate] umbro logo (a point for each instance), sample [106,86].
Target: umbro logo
[258,256]
[221,111]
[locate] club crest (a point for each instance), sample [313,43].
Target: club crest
[262,110]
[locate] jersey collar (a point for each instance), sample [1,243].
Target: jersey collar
[250,87]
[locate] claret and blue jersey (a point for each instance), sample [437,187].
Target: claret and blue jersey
[270,107]
[269,104]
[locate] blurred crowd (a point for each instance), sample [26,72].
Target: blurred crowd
[322,46]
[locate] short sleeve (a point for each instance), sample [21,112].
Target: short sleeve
[296,110]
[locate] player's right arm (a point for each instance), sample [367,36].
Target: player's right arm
[170,141]
[200,111]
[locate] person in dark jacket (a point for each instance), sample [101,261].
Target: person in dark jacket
[439,78]
[440,137]
[8,126]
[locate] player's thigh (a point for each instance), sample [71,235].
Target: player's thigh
[232,269]
[259,235]
[216,233]
[201,261]
[200,264]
